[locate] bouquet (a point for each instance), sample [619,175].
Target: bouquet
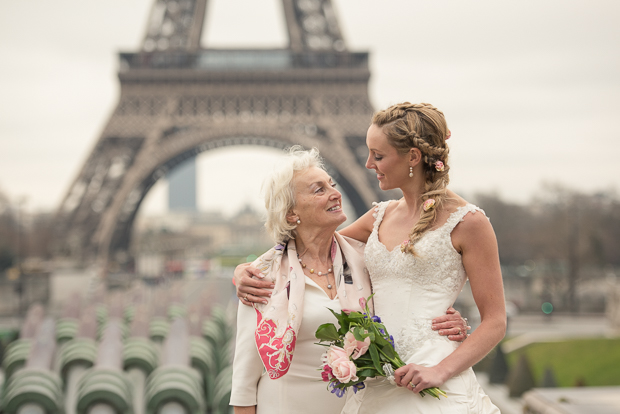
[360,349]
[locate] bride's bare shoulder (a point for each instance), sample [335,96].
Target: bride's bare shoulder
[453,202]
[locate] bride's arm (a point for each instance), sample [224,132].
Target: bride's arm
[250,284]
[475,240]
[361,228]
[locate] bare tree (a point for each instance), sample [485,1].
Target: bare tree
[563,231]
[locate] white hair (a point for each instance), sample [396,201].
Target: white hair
[279,191]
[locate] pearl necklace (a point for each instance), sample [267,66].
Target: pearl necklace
[303,266]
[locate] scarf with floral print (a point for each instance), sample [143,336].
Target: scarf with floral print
[278,321]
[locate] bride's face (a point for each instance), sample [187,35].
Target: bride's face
[391,166]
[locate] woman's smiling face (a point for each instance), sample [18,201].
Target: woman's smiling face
[317,202]
[391,166]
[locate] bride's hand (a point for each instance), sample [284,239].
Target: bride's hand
[452,325]
[417,378]
[250,286]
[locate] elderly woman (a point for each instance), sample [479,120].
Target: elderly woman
[312,269]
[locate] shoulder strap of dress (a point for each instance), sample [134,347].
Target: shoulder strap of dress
[458,216]
[378,213]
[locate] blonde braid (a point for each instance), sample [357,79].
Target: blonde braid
[424,127]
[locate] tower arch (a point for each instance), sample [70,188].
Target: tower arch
[178,99]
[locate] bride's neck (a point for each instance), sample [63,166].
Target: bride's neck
[412,193]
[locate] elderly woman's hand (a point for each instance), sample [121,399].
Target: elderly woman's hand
[452,325]
[250,286]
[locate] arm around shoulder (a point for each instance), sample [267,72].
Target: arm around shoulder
[361,228]
[250,285]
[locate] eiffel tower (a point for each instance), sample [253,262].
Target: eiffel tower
[178,100]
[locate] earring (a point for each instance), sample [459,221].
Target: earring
[298,221]
[410,171]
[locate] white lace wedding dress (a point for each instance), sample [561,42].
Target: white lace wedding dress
[409,292]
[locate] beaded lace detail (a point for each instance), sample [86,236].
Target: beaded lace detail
[411,290]
[415,335]
[437,264]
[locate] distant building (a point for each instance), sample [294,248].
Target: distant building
[182,187]
[192,238]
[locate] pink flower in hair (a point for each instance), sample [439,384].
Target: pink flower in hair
[439,166]
[448,135]
[428,204]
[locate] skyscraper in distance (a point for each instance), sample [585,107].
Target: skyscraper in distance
[182,187]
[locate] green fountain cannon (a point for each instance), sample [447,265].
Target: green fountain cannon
[67,324]
[159,325]
[17,352]
[77,356]
[140,356]
[105,388]
[36,389]
[175,387]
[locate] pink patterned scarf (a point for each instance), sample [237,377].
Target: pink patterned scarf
[278,321]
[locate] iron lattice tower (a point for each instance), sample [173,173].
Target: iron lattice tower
[178,99]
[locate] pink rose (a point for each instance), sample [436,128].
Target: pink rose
[353,347]
[334,353]
[362,347]
[347,311]
[350,343]
[344,370]
[363,303]
[439,166]
[342,367]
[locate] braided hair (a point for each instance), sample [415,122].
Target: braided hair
[424,127]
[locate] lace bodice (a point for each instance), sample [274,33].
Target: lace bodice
[411,291]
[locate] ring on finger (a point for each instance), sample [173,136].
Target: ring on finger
[412,384]
[460,332]
[245,297]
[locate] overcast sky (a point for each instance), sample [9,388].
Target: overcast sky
[530,88]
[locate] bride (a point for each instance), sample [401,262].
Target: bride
[420,251]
